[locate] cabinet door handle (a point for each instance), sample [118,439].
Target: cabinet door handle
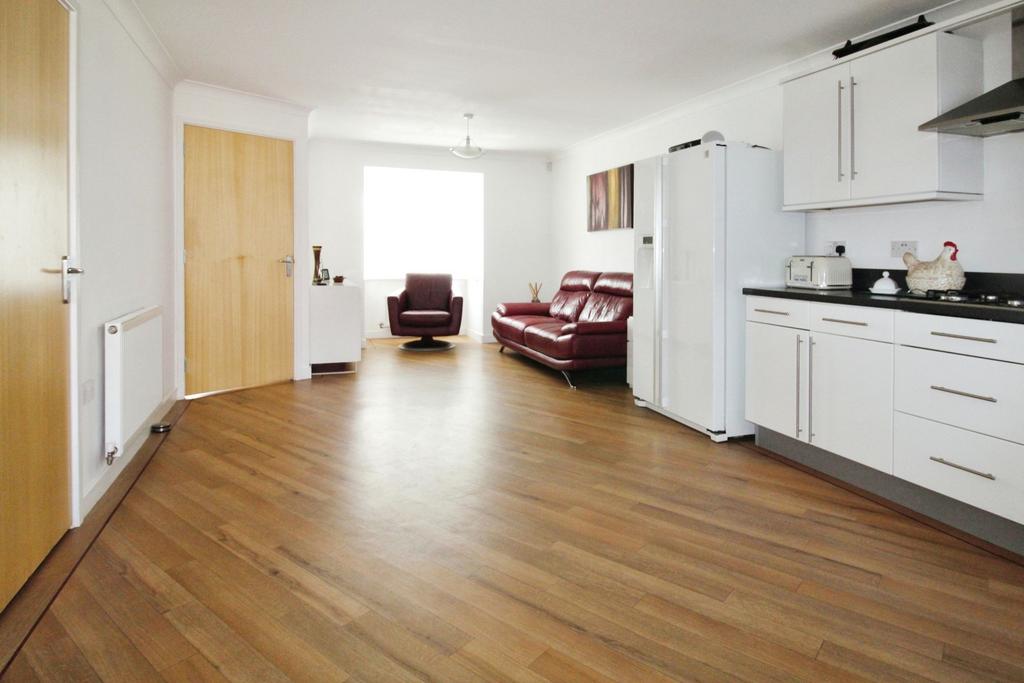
[853,132]
[799,343]
[950,335]
[947,463]
[766,310]
[839,131]
[947,390]
[845,322]
[810,391]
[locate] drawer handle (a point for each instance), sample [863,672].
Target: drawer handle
[765,310]
[947,463]
[964,393]
[845,322]
[950,335]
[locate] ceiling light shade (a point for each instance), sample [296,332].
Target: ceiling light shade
[467,150]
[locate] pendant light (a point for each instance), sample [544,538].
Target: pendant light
[467,150]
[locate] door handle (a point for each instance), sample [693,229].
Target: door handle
[839,132]
[288,262]
[957,392]
[799,343]
[853,130]
[67,270]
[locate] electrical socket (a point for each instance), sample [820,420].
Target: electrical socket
[899,247]
[830,247]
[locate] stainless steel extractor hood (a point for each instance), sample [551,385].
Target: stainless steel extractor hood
[998,111]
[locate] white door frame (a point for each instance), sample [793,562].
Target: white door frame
[74,453]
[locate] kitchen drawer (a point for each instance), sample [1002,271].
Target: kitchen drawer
[853,321]
[974,393]
[785,312]
[931,455]
[1001,341]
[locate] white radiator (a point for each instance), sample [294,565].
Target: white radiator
[133,384]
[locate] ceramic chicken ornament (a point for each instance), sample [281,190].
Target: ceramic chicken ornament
[945,272]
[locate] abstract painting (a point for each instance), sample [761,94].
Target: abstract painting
[610,194]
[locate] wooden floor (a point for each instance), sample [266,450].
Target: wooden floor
[464,516]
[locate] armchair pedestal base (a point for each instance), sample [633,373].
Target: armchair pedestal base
[427,344]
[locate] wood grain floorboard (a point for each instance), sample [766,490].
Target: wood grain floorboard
[464,516]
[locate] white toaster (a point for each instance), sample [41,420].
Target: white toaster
[819,272]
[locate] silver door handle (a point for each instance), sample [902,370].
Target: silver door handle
[766,310]
[947,463]
[288,262]
[810,391]
[845,322]
[65,281]
[839,130]
[799,342]
[957,392]
[950,335]
[853,132]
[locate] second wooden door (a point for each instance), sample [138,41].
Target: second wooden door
[34,470]
[238,253]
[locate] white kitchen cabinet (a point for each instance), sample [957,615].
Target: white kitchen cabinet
[776,378]
[850,130]
[851,409]
[816,115]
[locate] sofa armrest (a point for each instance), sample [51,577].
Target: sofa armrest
[609,327]
[524,309]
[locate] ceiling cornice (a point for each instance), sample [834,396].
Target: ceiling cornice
[138,29]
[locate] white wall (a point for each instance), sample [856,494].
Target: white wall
[205,105]
[516,214]
[990,232]
[124,215]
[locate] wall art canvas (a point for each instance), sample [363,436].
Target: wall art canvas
[610,197]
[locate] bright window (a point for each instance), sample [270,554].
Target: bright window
[422,221]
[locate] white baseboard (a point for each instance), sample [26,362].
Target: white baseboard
[131,447]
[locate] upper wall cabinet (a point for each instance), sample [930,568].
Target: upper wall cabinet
[851,136]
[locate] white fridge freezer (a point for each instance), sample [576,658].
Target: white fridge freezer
[708,221]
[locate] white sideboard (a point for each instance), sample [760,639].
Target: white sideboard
[335,324]
[933,400]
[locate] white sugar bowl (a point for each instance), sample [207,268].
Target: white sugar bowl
[885,285]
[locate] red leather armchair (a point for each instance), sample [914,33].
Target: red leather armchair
[583,327]
[426,309]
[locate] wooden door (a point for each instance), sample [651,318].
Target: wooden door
[238,229]
[34,470]
[851,398]
[816,137]
[776,379]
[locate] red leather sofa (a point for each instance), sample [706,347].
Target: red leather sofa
[583,327]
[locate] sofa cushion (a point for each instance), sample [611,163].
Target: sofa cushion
[606,307]
[579,281]
[511,327]
[619,284]
[547,338]
[425,318]
[428,291]
[567,305]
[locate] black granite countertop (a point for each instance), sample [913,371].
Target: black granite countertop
[1004,314]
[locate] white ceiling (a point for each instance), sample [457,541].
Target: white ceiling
[539,74]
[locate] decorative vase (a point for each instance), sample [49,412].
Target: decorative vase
[534,292]
[316,264]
